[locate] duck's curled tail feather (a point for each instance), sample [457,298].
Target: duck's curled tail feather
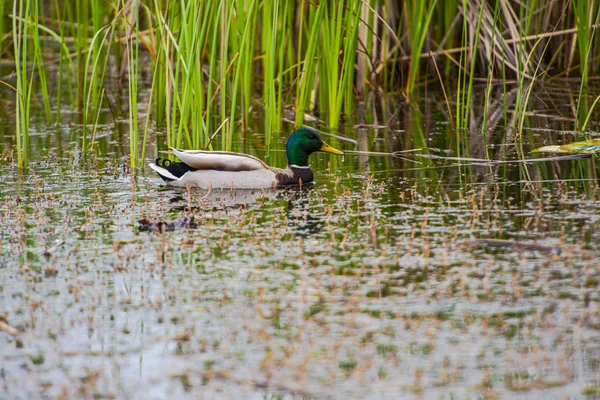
[170,171]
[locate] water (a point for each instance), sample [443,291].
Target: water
[379,281]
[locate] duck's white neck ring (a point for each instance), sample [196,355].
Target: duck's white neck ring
[299,167]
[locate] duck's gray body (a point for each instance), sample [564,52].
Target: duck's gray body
[217,170]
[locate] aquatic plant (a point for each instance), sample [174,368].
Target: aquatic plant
[215,61]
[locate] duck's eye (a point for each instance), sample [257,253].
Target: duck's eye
[312,136]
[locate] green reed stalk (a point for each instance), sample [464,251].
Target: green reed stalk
[282,55]
[270,21]
[25,21]
[352,22]
[227,19]
[4,11]
[307,73]
[473,59]
[96,48]
[151,48]
[81,45]
[418,23]
[66,57]
[248,64]
[383,50]
[489,86]
[200,132]
[175,56]
[132,73]
[461,101]
[159,76]
[583,10]
[589,114]
[339,33]
[449,14]
[392,80]
[163,68]
[530,11]
[21,13]
[524,95]
[200,125]
[96,63]
[39,62]
[61,65]
[184,82]
[243,67]
[149,111]
[288,65]
[465,84]
[213,45]
[191,29]
[331,39]
[178,116]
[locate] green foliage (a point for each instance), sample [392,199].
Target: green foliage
[21,28]
[211,62]
[419,16]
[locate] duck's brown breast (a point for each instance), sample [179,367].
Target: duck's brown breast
[293,175]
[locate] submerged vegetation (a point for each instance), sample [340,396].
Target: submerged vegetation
[355,288]
[211,62]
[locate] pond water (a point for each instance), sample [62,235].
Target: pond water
[388,278]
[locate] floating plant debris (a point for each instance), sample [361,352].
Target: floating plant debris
[146,225]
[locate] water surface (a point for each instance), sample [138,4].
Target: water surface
[387,278]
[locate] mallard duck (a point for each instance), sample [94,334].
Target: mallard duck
[224,169]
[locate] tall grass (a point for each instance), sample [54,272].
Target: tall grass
[307,65]
[587,15]
[22,12]
[246,15]
[81,46]
[271,74]
[216,61]
[132,50]
[419,15]
[96,62]
[339,42]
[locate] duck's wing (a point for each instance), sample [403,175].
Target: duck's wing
[220,160]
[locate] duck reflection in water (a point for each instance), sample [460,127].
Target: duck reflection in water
[196,203]
[299,215]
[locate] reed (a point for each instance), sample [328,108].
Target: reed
[133,58]
[212,85]
[467,73]
[419,15]
[339,33]
[587,15]
[21,13]
[271,75]
[307,65]
[217,61]
[159,51]
[583,19]
[96,62]
[81,46]
[246,15]
[5,10]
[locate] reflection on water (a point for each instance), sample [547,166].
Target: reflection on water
[387,277]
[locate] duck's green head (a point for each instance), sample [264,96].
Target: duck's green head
[302,143]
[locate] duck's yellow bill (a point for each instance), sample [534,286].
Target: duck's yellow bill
[328,149]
